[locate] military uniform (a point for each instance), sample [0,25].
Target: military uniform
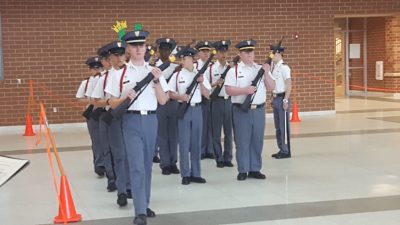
[167,135]
[248,126]
[191,125]
[93,125]
[99,93]
[207,150]
[280,73]
[221,111]
[115,134]
[139,128]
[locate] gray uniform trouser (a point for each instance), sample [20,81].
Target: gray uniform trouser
[221,117]
[167,135]
[189,129]
[248,128]
[93,127]
[118,151]
[206,135]
[140,133]
[279,121]
[106,149]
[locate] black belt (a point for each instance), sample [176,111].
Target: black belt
[191,104]
[278,94]
[141,112]
[252,106]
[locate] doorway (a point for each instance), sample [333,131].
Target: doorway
[350,57]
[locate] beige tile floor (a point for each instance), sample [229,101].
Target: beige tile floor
[335,157]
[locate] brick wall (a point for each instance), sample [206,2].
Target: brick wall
[392,31]
[375,49]
[48,41]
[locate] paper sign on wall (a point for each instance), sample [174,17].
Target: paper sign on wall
[354,51]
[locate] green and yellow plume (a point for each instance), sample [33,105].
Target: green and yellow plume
[137,26]
[120,28]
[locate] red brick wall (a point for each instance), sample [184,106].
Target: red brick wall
[383,38]
[48,41]
[375,49]
[392,31]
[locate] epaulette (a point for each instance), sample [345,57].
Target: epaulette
[284,64]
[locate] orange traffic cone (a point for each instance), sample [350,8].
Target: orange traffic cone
[28,126]
[66,211]
[295,114]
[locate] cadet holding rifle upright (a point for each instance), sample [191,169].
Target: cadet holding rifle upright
[221,105]
[248,124]
[84,95]
[207,151]
[187,86]
[167,135]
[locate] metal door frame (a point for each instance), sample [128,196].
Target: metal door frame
[349,92]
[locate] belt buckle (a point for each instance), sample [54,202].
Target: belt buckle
[253,106]
[226,97]
[192,104]
[143,112]
[274,94]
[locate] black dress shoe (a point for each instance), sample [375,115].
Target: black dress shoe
[199,180]
[156,159]
[256,175]
[210,156]
[242,176]
[129,193]
[228,164]
[111,187]
[185,180]
[282,156]
[275,154]
[101,171]
[174,169]
[140,220]
[220,164]
[166,170]
[122,200]
[150,213]
[202,156]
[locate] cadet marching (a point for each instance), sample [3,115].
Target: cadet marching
[180,111]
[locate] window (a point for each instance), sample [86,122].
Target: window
[338,46]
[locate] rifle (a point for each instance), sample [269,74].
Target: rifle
[214,94]
[88,112]
[249,98]
[177,69]
[182,108]
[97,113]
[140,86]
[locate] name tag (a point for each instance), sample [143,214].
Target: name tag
[125,82]
[215,75]
[182,82]
[240,76]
